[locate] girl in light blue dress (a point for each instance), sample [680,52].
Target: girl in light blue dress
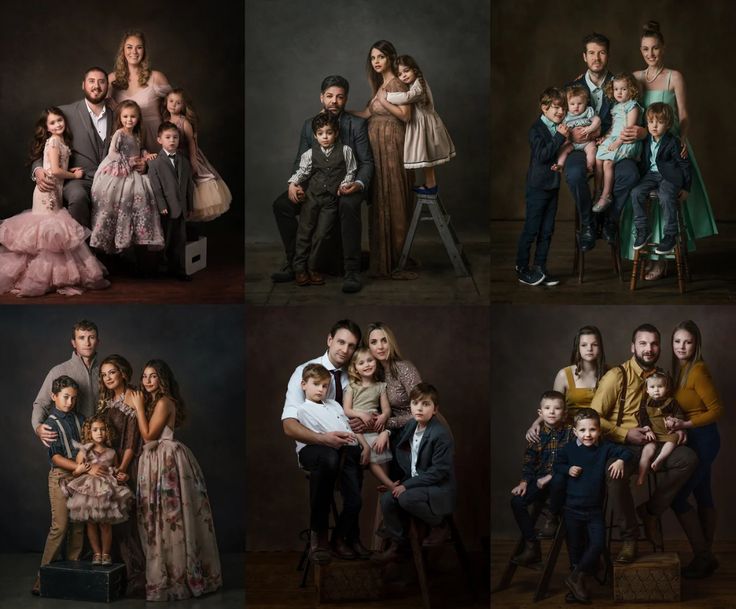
[625,113]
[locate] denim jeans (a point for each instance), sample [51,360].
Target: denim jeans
[554,491]
[706,442]
[585,525]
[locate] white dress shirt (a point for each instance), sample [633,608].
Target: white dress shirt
[322,417]
[98,120]
[415,442]
[294,393]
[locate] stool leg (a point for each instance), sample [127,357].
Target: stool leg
[510,570]
[462,556]
[416,550]
[549,564]
[410,235]
[634,271]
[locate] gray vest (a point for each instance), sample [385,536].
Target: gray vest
[327,172]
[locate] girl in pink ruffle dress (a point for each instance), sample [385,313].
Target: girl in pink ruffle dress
[95,497]
[43,249]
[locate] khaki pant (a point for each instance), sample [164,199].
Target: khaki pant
[61,527]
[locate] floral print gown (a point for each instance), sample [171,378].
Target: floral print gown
[175,522]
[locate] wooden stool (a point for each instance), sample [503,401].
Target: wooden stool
[435,212]
[578,262]
[548,564]
[681,262]
[417,554]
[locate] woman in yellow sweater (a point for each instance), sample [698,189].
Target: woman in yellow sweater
[699,399]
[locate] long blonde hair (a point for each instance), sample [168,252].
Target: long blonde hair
[394,355]
[353,373]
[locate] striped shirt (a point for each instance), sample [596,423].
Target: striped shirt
[69,427]
[540,457]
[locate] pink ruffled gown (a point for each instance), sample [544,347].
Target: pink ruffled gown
[43,249]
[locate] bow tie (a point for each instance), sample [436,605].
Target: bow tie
[171,156]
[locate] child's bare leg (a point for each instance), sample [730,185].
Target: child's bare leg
[590,150]
[94,537]
[106,531]
[430,177]
[564,152]
[380,471]
[666,451]
[607,178]
[647,452]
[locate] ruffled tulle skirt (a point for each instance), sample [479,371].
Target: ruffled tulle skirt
[97,499]
[211,195]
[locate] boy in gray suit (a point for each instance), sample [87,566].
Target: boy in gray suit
[427,491]
[170,174]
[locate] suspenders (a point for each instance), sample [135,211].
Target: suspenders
[62,432]
[622,398]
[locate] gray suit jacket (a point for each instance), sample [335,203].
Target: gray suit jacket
[435,464]
[353,133]
[173,192]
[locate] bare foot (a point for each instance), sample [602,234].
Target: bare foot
[655,465]
[656,271]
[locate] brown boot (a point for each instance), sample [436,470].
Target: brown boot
[628,552]
[396,552]
[576,583]
[319,549]
[703,563]
[650,522]
[549,530]
[316,278]
[302,279]
[342,550]
[530,555]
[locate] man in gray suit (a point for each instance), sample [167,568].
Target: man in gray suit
[353,133]
[171,180]
[90,122]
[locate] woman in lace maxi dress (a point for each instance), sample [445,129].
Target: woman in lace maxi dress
[134,79]
[117,406]
[392,203]
[174,515]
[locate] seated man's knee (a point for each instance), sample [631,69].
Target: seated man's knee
[576,171]
[329,461]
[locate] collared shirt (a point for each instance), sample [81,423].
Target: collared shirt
[68,425]
[607,396]
[540,456]
[98,120]
[415,442]
[86,378]
[654,147]
[322,418]
[295,395]
[596,91]
[304,172]
[552,126]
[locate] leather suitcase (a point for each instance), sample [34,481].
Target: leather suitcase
[653,577]
[82,581]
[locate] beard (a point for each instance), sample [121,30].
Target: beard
[646,365]
[95,100]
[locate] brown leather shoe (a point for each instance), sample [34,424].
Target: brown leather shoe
[628,552]
[316,278]
[302,279]
[549,529]
[437,536]
[651,530]
[576,583]
[319,549]
[396,552]
[342,550]
[530,555]
[360,550]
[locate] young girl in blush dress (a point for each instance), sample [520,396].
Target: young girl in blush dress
[211,195]
[96,497]
[364,398]
[427,142]
[174,515]
[124,209]
[43,249]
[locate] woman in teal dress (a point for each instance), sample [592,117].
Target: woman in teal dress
[660,84]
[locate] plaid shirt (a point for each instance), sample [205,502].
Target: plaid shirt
[539,457]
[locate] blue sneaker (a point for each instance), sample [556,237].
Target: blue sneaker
[549,280]
[423,190]
[529,276]
[642,238]
[666,245]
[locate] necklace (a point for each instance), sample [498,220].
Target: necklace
[646,74]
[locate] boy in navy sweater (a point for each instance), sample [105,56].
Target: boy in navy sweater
[583,461]
[546,137]
[664,171]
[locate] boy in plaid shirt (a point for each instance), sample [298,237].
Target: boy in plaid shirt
[538,482]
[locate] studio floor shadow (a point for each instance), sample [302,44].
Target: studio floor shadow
[713,279]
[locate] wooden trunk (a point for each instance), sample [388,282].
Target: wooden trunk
[348,580]
[653,577]
[82,581]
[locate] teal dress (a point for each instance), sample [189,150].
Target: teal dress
[699,220]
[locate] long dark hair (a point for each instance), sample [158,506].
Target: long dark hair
[576,360]
[125,369]
[388,49]
[167,387]
[41,133]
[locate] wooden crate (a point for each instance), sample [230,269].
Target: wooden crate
[653,577]
[348,580]
[82,581]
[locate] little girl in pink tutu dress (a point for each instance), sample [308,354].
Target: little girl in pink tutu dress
[43,249]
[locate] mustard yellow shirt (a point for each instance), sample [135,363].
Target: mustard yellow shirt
[698,397]
[606,400]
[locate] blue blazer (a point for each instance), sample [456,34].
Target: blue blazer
[606,105]
[670,164]
[544,152]
[435,465]
[353,133]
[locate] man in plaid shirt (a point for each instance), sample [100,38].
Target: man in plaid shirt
[537,480]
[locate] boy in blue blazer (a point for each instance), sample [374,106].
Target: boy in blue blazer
[546,137]
[424,453]
[664,171]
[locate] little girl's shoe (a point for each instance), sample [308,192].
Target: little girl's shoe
[106,559]
[96,559]
[602,204]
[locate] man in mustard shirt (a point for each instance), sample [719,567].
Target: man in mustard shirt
[617,399]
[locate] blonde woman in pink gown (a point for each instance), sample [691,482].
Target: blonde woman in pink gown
[134,79]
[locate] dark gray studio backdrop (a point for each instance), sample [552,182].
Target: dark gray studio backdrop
[530,344]
[537,45]
[204,347]
[449,347]
[46,47]
[291,45]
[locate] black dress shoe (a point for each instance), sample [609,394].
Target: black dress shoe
[587,239]
[609,232]
[351,283]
